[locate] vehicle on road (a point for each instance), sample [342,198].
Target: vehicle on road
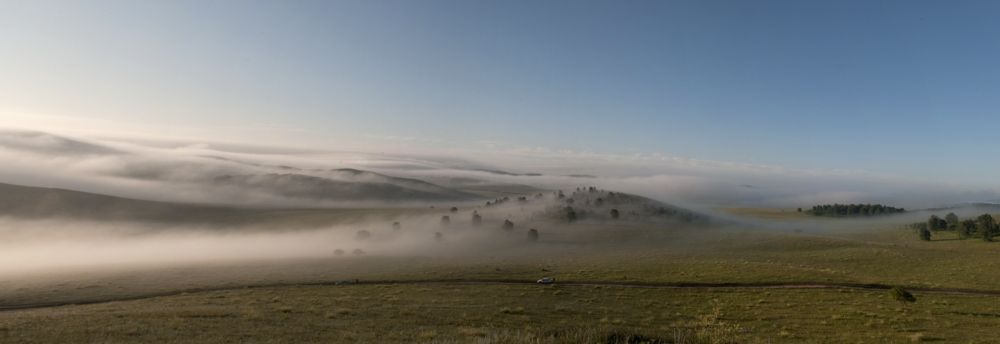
[547,280]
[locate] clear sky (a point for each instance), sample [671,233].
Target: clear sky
[907,88]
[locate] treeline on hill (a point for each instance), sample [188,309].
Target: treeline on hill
[984,227]
[839,210]
[592,203]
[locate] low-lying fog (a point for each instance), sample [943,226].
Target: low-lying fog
[407,184]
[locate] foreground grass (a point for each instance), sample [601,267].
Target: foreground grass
[511,314]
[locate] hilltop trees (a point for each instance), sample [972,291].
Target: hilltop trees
[837,210]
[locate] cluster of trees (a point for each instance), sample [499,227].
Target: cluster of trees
[984,227]
[499,200]
[854,210]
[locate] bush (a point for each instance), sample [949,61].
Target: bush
[901,296]
[445,221]
[453,209]
[363,235]
[476,219]
[925,234]
[438,236]
[396,226]
[614,214]
[533,234]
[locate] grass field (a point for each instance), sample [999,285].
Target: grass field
[618,252]
[511,314]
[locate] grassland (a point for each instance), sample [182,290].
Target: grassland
[510,314]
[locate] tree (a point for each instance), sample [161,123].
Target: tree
[599,202]
[800,210]
[988,227]
[570,216]
[453,209]
[966,228]
[925,234]
[569,201]
[614,214]
[901,296]
[363,235]
[396,226]
[934,223]
[358,252]
[533,234]
[507,225]
[438,236]
[445,221]
[476,219]
[952,221]
[338,252]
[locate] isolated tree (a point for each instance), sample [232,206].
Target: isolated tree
[614,214]
[338,252]
[507,225]
[901,296]
[445,221]
[438,236]
[800,210]
[598,202]
[476,219]
[358,252]
[988,227]
[363,235]
[396,226]
[454,209]
[533,234]
[925,234]
[952,221]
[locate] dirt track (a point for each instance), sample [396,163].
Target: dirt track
[446,282]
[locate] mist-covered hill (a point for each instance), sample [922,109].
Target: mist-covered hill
[45,203]
[386,189]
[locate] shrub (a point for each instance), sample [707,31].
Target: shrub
[614,214]
[363,235]
[507,225]
[396,226]
[533,234]
[901,296]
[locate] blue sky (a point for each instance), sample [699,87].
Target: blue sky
[905,87]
